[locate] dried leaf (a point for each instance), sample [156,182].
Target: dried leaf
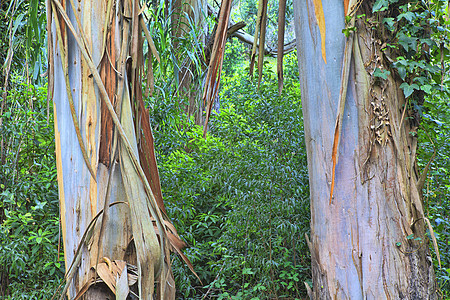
[147,155]
[122,288]
[109,270]
[177,244]
[150,42]
[433,238]
[87,235]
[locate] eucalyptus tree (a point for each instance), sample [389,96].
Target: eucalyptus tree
[368,227]
[114,225]
[189,38]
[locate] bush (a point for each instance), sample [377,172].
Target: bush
[29,222]
[240,196]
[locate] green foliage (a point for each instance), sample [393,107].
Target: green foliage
[176,52]
[421,39]
[240,196]
[236,57]
[434,136]
[417,39]
[246,11]
[29,222]
[23,38]
[267,182]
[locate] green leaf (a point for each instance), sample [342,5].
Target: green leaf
[407,15]
[18,22]
[407,42]
[346,31]
[402,72]
[389,22]
[381,73]
[247,271]
[398,244]
[410,237]
[426,88]
[380,5]
[408,89]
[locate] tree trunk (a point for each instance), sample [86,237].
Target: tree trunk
[87,64]
[359,245]
[185,13]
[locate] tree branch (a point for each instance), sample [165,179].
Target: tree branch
[235,30]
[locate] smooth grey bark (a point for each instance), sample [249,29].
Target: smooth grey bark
[376,203]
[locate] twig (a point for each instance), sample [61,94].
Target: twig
[211,285]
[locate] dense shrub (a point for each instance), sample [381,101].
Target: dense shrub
[240,196]
[29,219]
[434,135]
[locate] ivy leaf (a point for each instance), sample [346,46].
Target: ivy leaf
[426,88]
[402,72]
[420,80]
[389,22]
[408,89]
[429,42]
[407,42]
[407,15]
[380,5]
[381,73]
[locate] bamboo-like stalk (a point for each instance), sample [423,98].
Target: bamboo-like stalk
[255,39]
[280,53]
[215,65]
[262,40]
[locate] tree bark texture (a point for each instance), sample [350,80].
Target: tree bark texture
[108,32]
[359,245]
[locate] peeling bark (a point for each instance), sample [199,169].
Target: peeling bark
[376,201]
[97,80]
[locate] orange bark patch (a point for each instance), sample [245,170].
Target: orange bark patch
[147,155]
[107,73]
[318,9]
[335,158]
[62,201]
